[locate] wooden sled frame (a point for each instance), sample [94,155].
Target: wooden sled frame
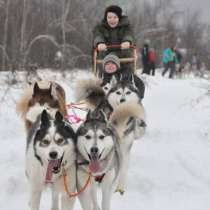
[132,59]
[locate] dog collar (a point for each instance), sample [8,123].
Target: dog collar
[85,162]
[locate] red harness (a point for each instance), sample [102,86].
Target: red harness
[99,178]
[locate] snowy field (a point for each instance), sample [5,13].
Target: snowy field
[170,165]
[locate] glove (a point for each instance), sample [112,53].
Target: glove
[125,45]
[102,47]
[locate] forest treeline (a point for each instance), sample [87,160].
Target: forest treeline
[34,31]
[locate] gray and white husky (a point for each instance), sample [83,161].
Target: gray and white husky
[98,153]
[124,110]
[50,152]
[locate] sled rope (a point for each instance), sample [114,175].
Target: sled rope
[74,194]
[76,106]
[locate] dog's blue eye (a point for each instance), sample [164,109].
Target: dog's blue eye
[45,142]
[128,93]
[88,137]
[101,137]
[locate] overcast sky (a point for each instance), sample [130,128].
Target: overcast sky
[202,5]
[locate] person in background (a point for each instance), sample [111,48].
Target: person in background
[145,57]
[114,29]
[179,60]
[195,64]
[112,67]
[169,61]
[152,61]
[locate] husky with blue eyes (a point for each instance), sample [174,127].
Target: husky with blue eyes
[50,154]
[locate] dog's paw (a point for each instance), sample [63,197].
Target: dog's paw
[121,191]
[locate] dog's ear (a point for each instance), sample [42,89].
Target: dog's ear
[51,90]
[58,117]
[36,89]
[89,115]
[142,123]
[102,116]
[113,81]
[44,118]
[102,77]
[133,81]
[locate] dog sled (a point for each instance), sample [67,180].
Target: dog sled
[131,59]
[76,112]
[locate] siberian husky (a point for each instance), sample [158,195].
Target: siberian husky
[127,116]
[50,153]
[120,91]
[129,121]
[99,154]
[123,91]
[39,96]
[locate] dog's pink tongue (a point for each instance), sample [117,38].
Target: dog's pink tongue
[94,166]
[51,165]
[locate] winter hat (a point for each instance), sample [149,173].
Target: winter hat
[115,9]
[111,58]
[146,41]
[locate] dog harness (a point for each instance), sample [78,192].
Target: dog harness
[99,179]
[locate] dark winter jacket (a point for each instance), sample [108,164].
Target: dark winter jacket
[145,54]
[103,33]
[119,74]
[178,56]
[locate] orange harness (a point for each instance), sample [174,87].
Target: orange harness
[74,194]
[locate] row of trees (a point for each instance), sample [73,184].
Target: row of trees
[32,31]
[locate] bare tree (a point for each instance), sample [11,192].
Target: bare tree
[5,34]
[26,24]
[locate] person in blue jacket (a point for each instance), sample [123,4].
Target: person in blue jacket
[169,61]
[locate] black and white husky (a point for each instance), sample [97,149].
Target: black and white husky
[50,153]
[123,91]
[99,154]
[116,92]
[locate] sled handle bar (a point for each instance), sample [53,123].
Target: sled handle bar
[122,60]
[117,46]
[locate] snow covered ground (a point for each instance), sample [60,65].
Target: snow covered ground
[170,165]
